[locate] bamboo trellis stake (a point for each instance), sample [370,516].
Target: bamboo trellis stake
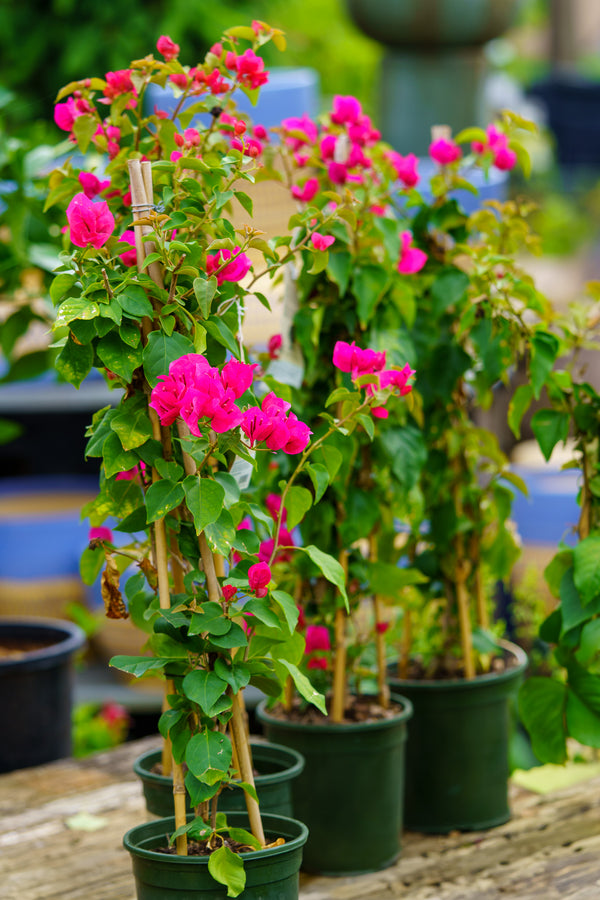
[338,701]
[141,202]
[383,688]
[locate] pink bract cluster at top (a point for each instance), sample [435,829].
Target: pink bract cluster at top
[497,144]
[356,361]
[195,391]
[221,73]
[345,151]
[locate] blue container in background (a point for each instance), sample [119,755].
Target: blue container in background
[288,92]
[42,537]
[550,512]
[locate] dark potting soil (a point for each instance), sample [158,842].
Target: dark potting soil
[201,848]
[364,708]
[450,668]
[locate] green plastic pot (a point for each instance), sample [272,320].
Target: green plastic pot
[351,790]
[276,766]
[270,874]
[457,755]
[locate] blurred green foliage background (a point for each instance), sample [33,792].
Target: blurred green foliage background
[46,43]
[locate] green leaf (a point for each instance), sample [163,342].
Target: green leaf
[222,334]
[205,290]
[203,688]
[586,560]
[583,706]
[245,200]
[61,285]
[199,792]
[204,498]
[209,618]
[304,687]
[235,637]
[132,423]
[134,301]
[75,361]
[319,476]
[549,427]
[161,497]
[339,268]
[329,567]
[90,564]
[137,665]
[240,834]
[544,349]
[161,351]
[119,357]
[237,676]
[542,703]
[288,606]
[368,285]
[261,609]
[221,534]
[518,406]
[208,750]
[227,868]
[297,503]
[387,580]
[448,289]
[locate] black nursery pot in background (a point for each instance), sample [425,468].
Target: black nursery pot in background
[350,794]
[457,756]
[36,689]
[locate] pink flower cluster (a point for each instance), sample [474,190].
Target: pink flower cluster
[411,259]
[352,359]
[339,148]
[285,539]
[90,224]
[259,576]
[273,424]
[228,265]
[317,643]
[445,151]
[194,390]
[497,144]
[405,167]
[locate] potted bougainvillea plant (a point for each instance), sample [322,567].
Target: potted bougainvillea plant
[150,292]
[419,511]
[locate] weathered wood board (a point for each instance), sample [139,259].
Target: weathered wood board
[549,850]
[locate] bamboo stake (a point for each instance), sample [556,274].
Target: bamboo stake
[404,660]
[383,688]
[242,749]
[142,204]
[338,701]
[461,575]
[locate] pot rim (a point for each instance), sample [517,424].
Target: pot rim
[263,715]
[270,822]
[469,683]
[69,638]
[296,766]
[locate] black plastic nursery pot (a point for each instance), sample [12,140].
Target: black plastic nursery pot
[457,756]
[271,874]
[36,689]
[276,766]
[350,794]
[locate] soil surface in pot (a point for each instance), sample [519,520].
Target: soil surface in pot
[363,708]
[202,848]
[15,648]
[450,667]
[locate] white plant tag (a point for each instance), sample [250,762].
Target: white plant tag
[242,471]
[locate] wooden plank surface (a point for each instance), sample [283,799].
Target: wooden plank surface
[549,850]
